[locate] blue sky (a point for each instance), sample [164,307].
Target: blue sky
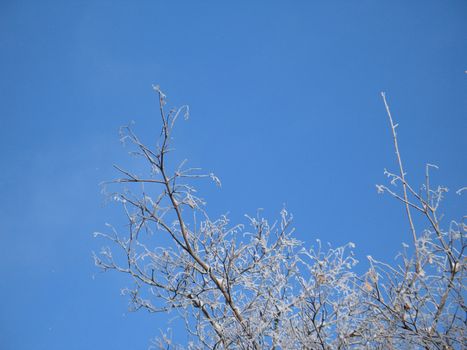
[285,109]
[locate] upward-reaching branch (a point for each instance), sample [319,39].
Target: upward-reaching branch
[404,182]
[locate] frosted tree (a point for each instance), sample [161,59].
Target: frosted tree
[254,286]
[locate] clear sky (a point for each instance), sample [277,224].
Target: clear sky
[285,109]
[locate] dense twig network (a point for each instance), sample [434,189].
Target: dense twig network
[257,287]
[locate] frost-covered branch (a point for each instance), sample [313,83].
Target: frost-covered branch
[254,286]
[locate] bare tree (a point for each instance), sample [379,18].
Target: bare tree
[255,286]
